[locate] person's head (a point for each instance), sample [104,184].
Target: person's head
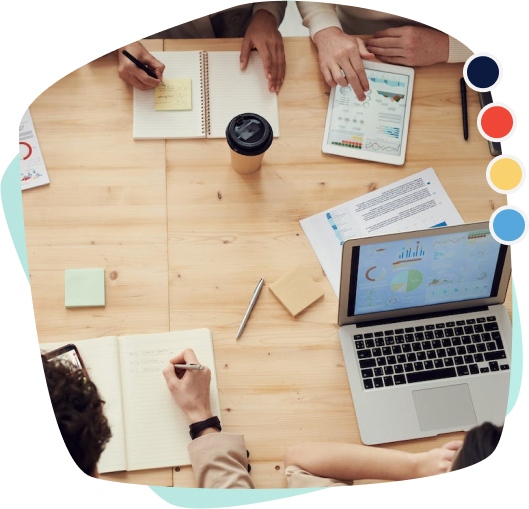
[79,413]
[480,442]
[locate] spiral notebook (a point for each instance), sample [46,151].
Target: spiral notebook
[219,92]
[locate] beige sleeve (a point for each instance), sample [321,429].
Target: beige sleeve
[219,461]
[276,8]
[317,16]
[457,52]
[299,478]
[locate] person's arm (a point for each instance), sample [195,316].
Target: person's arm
[317,16]
[340,55]
[353,462]
[133,75]
[219,460]
[416,46]
[457,51]
[263,35]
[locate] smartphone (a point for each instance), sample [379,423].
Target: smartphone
[68,354]
[494,146]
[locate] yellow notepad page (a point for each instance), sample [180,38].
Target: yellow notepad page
[173,95]
[296,291]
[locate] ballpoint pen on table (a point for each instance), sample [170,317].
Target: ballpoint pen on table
[141,66]
[253,300]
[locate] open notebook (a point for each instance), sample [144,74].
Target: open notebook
[148,428]
[219,92]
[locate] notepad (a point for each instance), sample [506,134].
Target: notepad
[219,92]
[173,95]
[84,288]
[148,428]
[296,290]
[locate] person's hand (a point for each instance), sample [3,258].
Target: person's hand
[339,52]
[413,46]
[437,461]
[263,35]
[133,75]
[189,388]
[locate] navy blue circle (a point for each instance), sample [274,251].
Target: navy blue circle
[483,72]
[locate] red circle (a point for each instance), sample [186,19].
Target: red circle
[497,122]
[30,150]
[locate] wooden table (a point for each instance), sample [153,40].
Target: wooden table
[184,239]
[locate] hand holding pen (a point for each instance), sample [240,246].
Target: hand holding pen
[137,67]
[189,385]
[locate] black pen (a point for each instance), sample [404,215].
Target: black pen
[464,107]
[141,66]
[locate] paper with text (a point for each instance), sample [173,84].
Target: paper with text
[157,430]
[413,203]
[33,171]
[151,124]
[173,95]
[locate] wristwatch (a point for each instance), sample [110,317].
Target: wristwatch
[198,427]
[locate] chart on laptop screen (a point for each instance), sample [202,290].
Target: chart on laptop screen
[425,271]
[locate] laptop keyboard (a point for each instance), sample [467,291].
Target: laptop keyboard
[430,352]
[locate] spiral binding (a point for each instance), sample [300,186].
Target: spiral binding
[204,101]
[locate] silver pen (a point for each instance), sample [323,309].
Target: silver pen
[193,367]
[253,300]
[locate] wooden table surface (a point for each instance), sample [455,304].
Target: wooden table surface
[184,239]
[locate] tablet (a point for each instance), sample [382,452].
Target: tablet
[375,129]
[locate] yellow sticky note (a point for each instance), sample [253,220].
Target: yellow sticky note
[173,95]
[296,291]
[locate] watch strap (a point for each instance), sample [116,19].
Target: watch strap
[198,427]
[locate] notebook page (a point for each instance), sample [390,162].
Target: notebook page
[101,358]
[149,123]
[157,430]
[232,91]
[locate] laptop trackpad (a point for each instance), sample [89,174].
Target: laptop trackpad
[444,407]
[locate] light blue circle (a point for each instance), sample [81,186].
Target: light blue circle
[508,225]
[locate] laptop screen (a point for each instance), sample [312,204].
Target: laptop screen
[425,271]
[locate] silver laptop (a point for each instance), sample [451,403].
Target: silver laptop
[425,336]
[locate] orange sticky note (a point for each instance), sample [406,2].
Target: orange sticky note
[296,291]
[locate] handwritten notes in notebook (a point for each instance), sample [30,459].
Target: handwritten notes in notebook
[148,429]
[219,95]
[173,95]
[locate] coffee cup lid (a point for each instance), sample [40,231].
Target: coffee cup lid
[249,134]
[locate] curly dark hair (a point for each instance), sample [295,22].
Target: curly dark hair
[480,442]
[79,412]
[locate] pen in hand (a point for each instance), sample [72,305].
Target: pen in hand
[141,66]
[191,367]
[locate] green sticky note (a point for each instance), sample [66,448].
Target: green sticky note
[84,288]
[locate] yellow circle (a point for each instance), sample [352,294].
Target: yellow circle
[506,174]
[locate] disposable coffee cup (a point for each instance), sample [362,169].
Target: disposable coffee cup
[249,136]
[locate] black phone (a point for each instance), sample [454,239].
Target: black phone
[494,146]
[68,354]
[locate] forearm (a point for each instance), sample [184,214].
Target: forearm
[318,16]
[457,51]
[352,462]
[276,8]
